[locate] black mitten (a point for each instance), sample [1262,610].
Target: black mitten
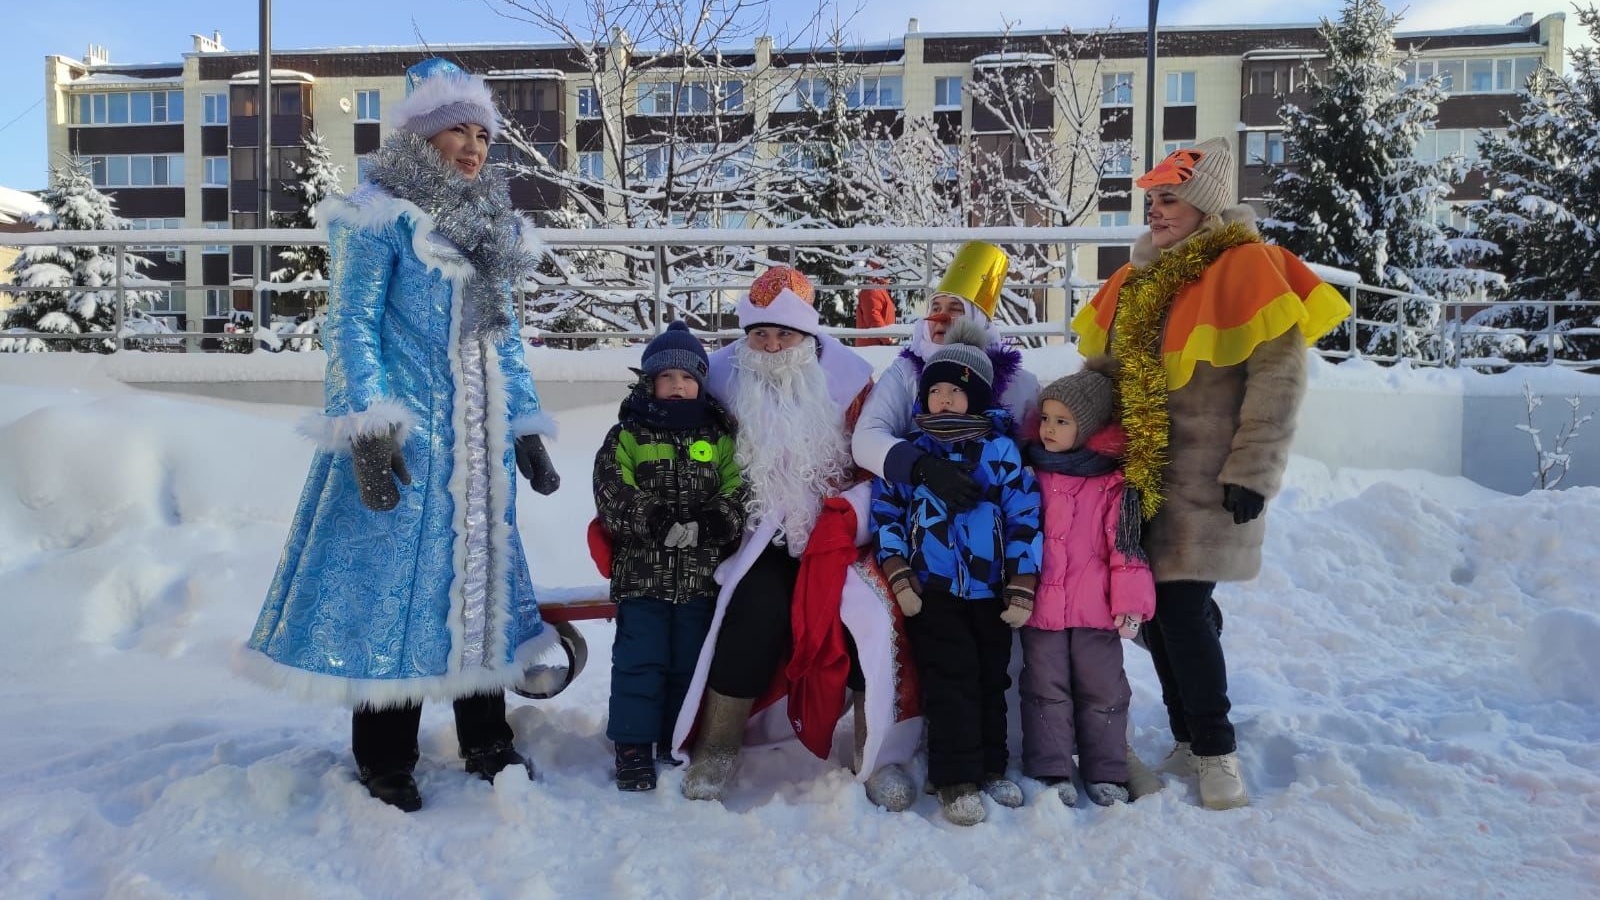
[949,481]
[1244,503]
[533,461]
[378,462]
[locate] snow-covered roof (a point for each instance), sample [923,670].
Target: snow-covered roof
[556,74]
[1012,59]
[101,78]
[16,205]
[255,75]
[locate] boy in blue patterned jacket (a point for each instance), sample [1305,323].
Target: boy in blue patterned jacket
[963,578]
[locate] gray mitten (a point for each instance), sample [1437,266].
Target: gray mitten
[682,536]
[378,462]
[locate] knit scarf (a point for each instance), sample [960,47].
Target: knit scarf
[643,407]
[1141,314]
[473,214]
[953,428]
[1085,462]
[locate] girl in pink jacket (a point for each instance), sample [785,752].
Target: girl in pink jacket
[1094,584]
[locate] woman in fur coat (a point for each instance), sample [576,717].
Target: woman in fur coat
[1210,327]
[403,577]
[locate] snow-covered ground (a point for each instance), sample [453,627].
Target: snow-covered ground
[1415,674]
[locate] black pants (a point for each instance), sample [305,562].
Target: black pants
[1186,646]
[757,633]
[963,651]
[385,740]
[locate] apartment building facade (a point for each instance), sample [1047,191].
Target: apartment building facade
[177,143]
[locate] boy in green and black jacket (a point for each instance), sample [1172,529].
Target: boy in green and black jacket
[668,491]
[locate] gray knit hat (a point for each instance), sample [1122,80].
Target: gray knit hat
[963,360]
[1090,393]
[1198,175]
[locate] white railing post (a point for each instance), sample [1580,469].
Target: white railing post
[121,293]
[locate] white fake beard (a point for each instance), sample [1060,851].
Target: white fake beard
[791,445]
[922,343]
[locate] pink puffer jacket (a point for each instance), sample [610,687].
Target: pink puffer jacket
[1085,581]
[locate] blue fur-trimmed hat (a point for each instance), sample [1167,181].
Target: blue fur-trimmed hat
[676,348]
[440,94]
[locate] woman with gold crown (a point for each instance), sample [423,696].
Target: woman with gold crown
[1210,328]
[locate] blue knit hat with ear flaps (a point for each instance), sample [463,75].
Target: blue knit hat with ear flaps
[440,94]
[676,348]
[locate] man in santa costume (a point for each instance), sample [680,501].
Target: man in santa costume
[802,614]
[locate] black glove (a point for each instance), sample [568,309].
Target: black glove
[379,461]
[535,465]
[950,482]
[1244,503]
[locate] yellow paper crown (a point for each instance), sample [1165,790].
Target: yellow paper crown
[976,274]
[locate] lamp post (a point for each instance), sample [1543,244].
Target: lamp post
[263,305]
[1149,91]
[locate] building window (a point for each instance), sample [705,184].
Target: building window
[1116,89]
[655,99]
[363,166]
[809,93]
[947,93]
[368,108]
[128,108]
[215,109]
[173,254]
[951,170]
[1180,88]
[1118,160]
[166,301]
[878,92]
[1172,146]
[214,248]
[219,303]
[1442,143]
[1480,75]
[648,163]
[694,98]
[1263,148]
[588,103]
[592,165]
[137,171]
[1115,219]
[215,172]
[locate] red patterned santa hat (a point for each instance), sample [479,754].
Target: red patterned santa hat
[781,297]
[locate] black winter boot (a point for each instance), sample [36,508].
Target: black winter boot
[636,768]
[398,789]
[489,760]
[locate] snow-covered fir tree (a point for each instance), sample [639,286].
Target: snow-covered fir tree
[316,179]
[1352,193]
[1542,216]
[88,273]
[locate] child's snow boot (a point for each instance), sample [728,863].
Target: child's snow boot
[1141,781]
[1179,760]
[1003,791]
[636,768]
[962,803]
[1220,784]
[1064,788]
[1106,793]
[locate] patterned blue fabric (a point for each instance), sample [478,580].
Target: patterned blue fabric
[970,554]
[377,597]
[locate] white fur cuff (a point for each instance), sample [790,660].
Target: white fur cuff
[336,434]
[538,423]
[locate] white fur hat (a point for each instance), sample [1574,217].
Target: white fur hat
[440,94]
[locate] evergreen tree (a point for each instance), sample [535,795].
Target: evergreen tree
[1352,193]
[316,179]
[1541,220]
[89,273]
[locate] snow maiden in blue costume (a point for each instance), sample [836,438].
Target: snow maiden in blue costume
[403,577]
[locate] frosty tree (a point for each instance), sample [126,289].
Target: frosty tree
[1352,193]
[87,273]
[316,179]
[1542,216]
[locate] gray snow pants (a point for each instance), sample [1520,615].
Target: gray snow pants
[1075,698]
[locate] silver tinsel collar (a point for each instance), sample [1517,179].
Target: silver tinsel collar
[473,214]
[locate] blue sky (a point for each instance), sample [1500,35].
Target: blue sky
[38,29]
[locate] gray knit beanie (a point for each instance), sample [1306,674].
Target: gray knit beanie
[963,361]
[1090,394]
[1199,175]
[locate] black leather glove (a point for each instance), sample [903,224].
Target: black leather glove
[1244,503]
[951,482]
[378,462]
[533,461]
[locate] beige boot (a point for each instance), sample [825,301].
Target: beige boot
[890,787]
[1179,760]
[1220,784]
[715,757]
[1141,781]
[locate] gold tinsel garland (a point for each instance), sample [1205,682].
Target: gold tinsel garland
[1136,334]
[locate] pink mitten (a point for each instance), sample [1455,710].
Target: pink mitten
[1128,625]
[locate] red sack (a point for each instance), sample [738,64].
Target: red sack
[600,547]
[819,667]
